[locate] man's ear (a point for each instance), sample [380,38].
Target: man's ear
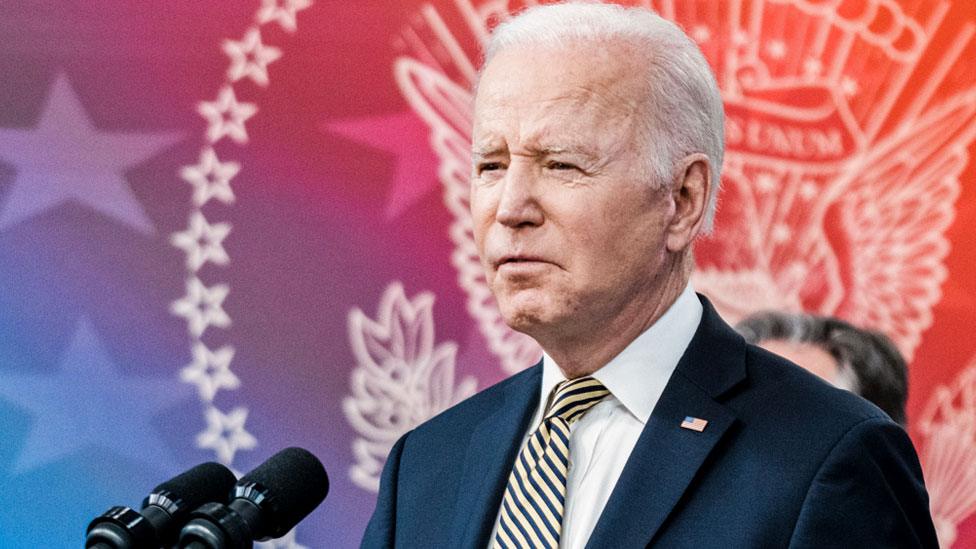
[690,191]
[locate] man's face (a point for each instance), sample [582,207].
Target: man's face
[567,221]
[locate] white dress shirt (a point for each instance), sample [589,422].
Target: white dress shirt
[602,440]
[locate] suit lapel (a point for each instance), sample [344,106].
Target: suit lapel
[667,457]
[661,467]
[495,442]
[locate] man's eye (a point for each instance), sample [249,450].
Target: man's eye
[554,165]
[489,167]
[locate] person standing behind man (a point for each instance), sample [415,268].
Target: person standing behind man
[864,362]
[597,149]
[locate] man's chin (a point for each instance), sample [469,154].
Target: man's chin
[529,318]
[522,322]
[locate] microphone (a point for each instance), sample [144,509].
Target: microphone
[164,511]
[265,504]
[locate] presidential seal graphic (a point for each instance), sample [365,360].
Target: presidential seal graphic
[838,183]
[847,131]
[948,452]
[402,378]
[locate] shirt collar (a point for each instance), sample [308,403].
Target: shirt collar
[638,374]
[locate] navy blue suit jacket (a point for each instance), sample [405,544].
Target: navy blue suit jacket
[785,461]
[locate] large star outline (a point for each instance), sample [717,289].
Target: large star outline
[66,158]
[401,135]
[88,402]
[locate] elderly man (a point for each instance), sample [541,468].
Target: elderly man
[596,153]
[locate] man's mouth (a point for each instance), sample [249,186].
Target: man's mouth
[519,260]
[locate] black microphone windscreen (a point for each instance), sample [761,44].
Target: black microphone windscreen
[204,483]
[298,482]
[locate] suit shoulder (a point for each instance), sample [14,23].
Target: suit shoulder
[786,390]
[473,409]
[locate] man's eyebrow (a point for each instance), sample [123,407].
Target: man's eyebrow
[489,151]
[481,152]
[557,150]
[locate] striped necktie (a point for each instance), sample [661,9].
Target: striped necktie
[532,509]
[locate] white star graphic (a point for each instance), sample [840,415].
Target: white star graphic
[701,34]
[66,158]
[250,58]
[210,370]
[776,49]
[849,86]
[225,434]
[202,307]
[202,242]
[283,11]
[740,37]
[286,541]
[812,67]
[765,182]
[781,233]
[808,190]
[226,116]
[211,178]
[871,210]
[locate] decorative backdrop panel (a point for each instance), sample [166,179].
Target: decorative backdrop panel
[231,227]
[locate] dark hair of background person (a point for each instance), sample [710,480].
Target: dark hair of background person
[879,370]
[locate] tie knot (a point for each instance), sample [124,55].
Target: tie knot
[573,397]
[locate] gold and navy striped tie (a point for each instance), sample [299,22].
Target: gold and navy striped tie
[532,509]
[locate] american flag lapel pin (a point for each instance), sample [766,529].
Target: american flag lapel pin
[694,423]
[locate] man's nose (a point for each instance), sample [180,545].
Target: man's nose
[518,205]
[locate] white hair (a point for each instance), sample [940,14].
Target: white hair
[687,106]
